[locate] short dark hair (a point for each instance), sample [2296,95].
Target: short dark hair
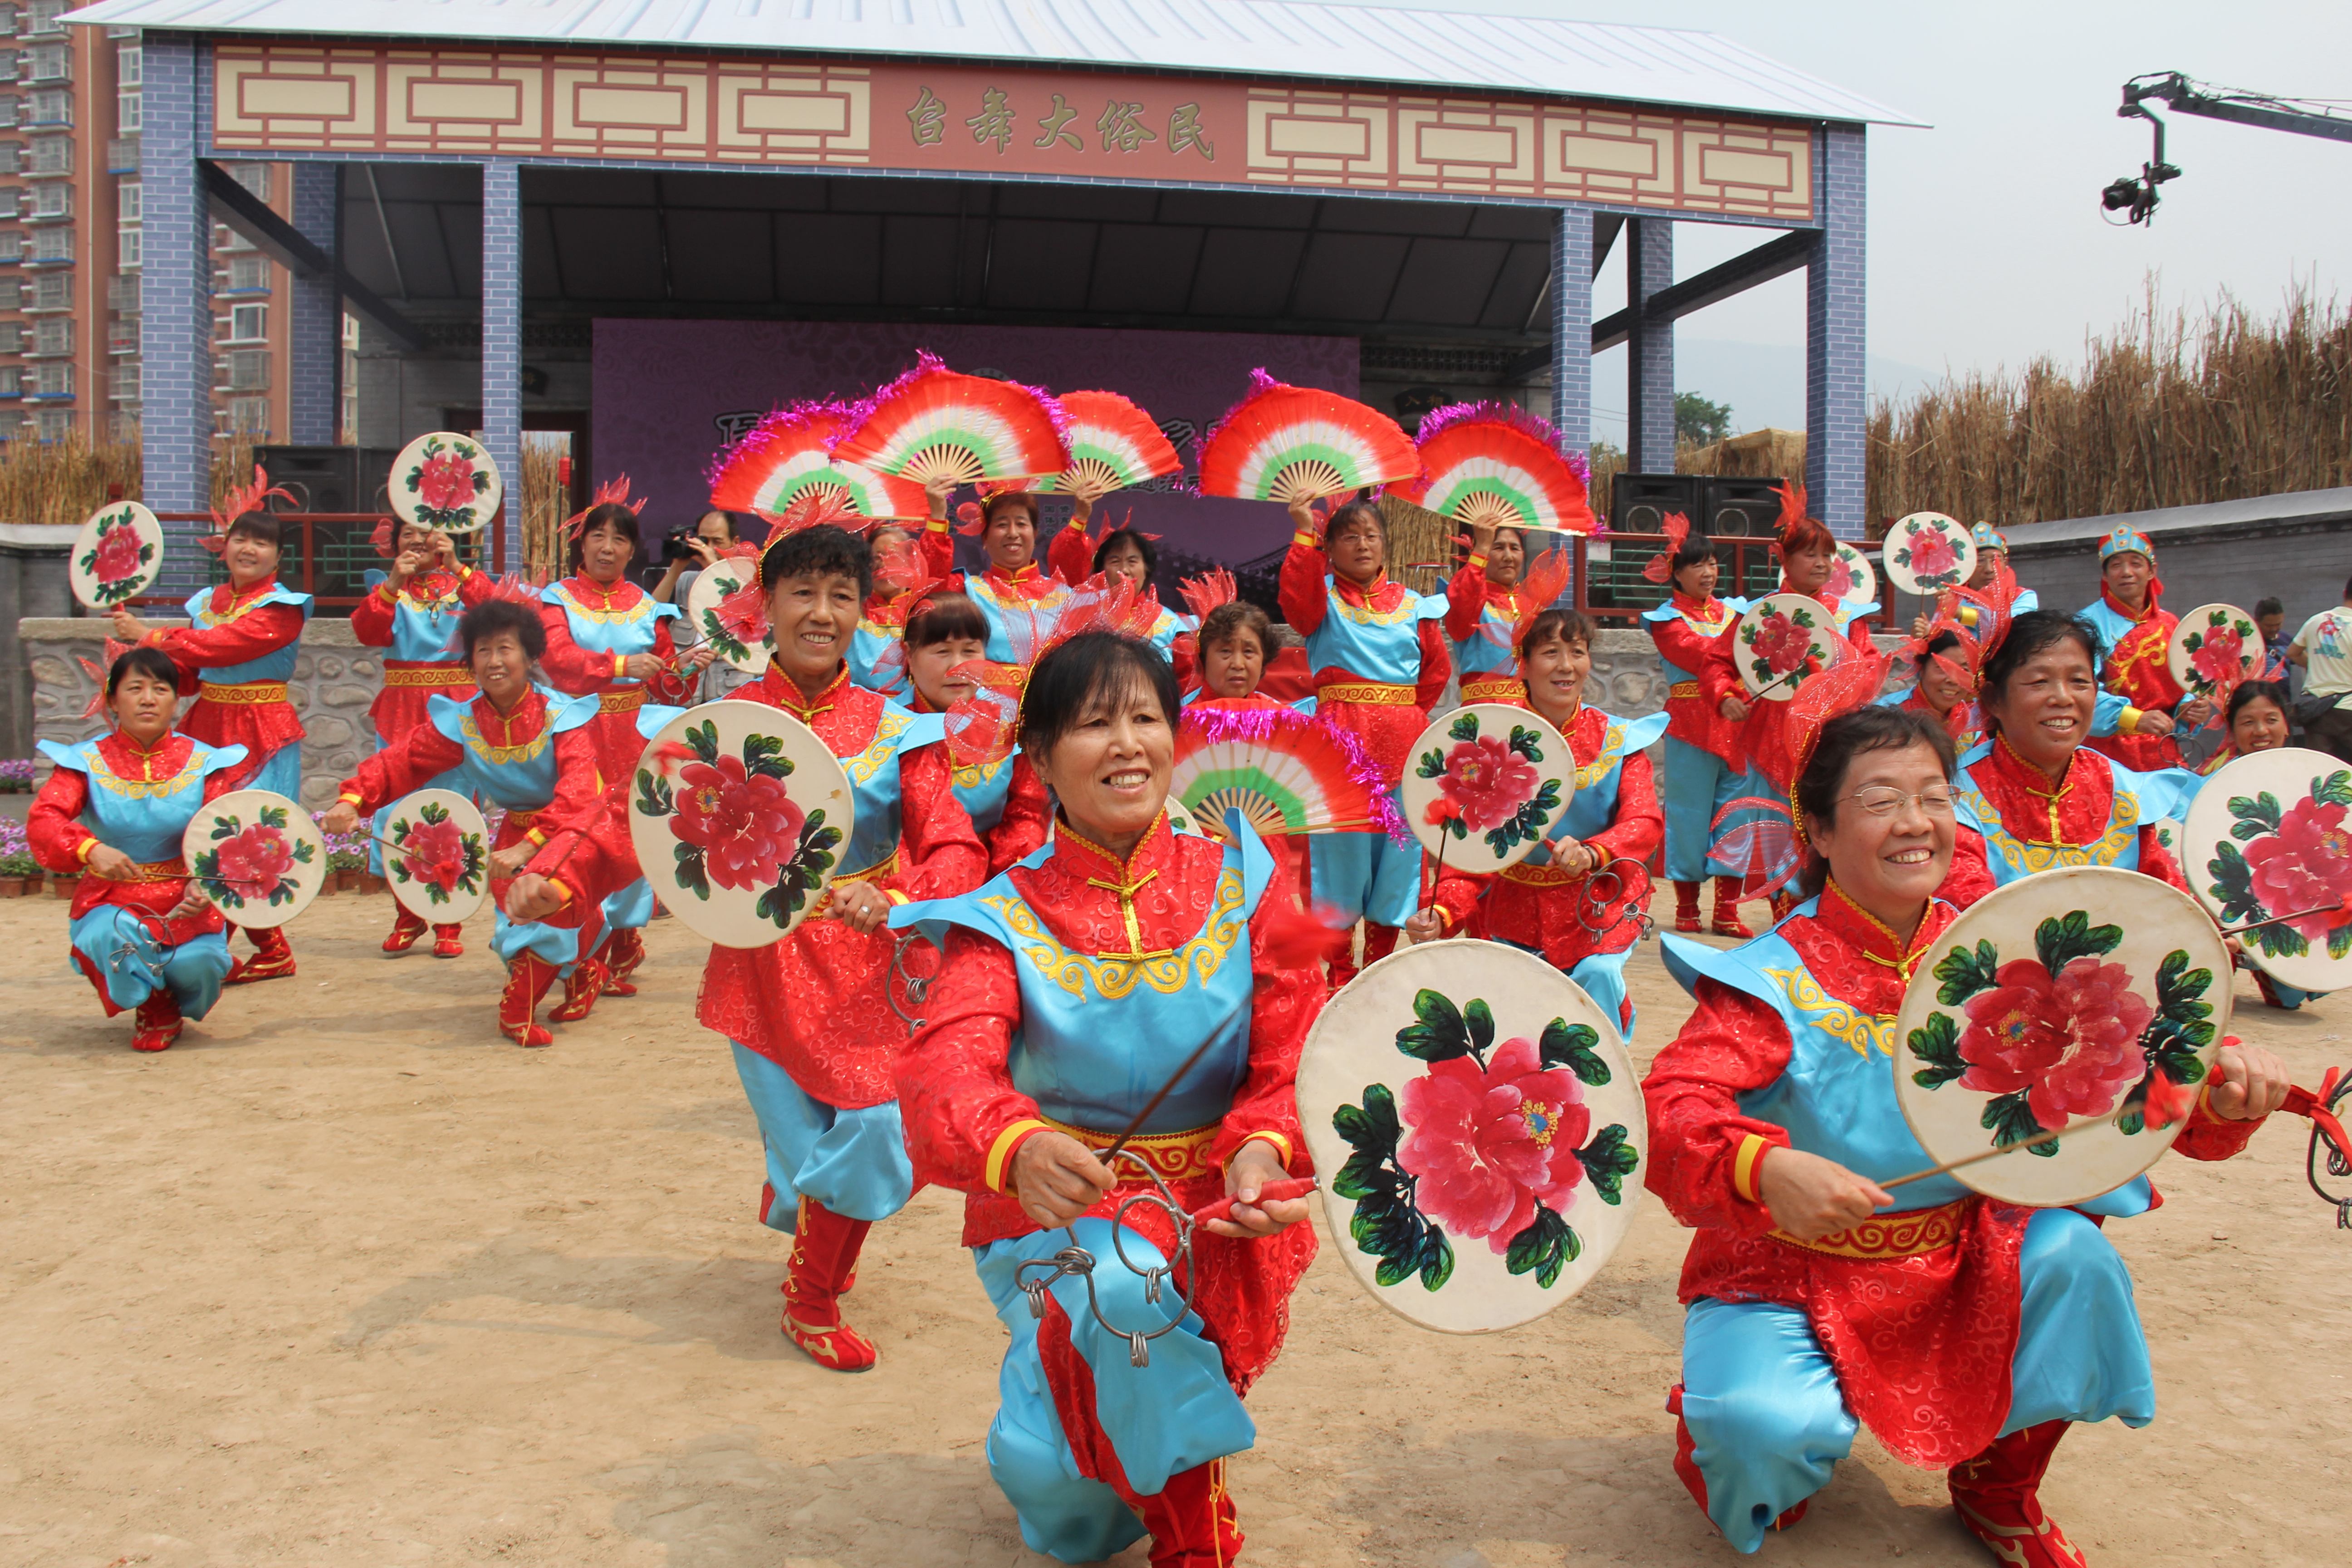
[825,549]
[1356,511]
[151,661]
[1871,728]
[2272,607]
[2270,691]
[2032,633]
[1141,542]
[1231,618]
[1697,547]
[1947,639]
[734,528]
[1091,667]
[261,525]
[1559,622]
[492,617]
[944,617]
[610,514]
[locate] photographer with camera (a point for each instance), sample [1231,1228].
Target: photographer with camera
[686,552]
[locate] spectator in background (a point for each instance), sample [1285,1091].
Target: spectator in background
[2324,650]
[714,534]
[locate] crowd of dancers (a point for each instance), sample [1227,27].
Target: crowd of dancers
[1093,936]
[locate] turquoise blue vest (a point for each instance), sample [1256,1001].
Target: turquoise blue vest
[875,661]
[1593,806]
[1167,628]
[611,631]
[421,635]
[1667,612]
[983,790]
[873,783]
[517,778]
[1100,1035]
[1002,612]
[1381,646]
[1487,650]
[145,821]
[1836,1096]
[274,665]
[2112,627]
[2141,800]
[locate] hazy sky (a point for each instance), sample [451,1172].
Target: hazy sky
[1987,242]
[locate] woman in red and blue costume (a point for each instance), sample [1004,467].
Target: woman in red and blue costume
[1378,650]
[1482,610]
[532,753]
[114,811]
[1612,823]
[878,657]
[809,1018]
[236,658]
[1076,984]
[1703,791]
[1020,598]
[1125,555]
[2135,641]
[2032,795]
[946,639]
[413,610]
[610,639]
[1966,1333]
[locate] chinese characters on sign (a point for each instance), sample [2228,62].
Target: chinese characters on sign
[1121,128]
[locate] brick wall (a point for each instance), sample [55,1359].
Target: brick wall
[1836,364]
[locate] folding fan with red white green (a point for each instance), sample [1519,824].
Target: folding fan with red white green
[1113,445]
[1287,773]
[784,456]
[1490,465]
[1298,442]
[933,423]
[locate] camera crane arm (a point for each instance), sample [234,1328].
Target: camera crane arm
[2136,199]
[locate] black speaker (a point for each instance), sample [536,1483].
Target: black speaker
[1639,502]
[329,478]
[1738,507]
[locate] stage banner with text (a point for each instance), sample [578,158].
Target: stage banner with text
[669,395]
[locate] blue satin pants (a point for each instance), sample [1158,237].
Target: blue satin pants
[124,949]
[852,1161]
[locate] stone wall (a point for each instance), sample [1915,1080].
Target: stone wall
[335,679]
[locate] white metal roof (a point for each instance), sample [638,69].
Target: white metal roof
[1255,37]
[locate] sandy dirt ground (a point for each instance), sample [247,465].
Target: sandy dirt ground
[344,1278]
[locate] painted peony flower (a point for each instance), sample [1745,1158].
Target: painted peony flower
[435,854]
[1842,580]
[2072,1043]
[1488,780]
[2217,653]
[744,824]
[447,482]
[256,861]
[2306,864]
[1781,644]
[1932,555]
[118,554]
[1485,1146]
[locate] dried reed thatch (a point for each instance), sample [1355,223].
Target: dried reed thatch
[1421,543]
[64,479]
[2169,411]
[1767,454]
[546,503]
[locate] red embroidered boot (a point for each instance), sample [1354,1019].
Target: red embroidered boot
[624,951]
[581,989]
[1192,1520]
[405,929]
[1379,940]
[824,1261]
[1687,906]
[528,978]
[272,959]
[449,941]
[156,1023]
[1997,1495]
[1726,909]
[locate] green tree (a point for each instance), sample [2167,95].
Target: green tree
[1697,420]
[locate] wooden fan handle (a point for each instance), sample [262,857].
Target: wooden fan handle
[1484,508]
[1310,478]
[1090,479]
[942,462]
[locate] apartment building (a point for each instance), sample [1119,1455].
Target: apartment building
[71,246]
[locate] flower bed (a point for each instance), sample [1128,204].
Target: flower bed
[16,776]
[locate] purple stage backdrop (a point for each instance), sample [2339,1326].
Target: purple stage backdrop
[668,394]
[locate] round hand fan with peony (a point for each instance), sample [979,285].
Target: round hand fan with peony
[117,556]
[445,480]
[2264,841]
[933,423]
[1927,552]
[785,457]
[436,856]
[1485,783]
[2215,648]
[256,855]
[1113,445]
[1286,773]
[1298,442]
[1488,464]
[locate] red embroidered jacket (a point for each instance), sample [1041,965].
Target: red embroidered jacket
[401,707]
[1467,595]
[61,842]
[2079,812]
[1386,730]
[1691,717]
[2139,670]
[816,1003]
[261,727]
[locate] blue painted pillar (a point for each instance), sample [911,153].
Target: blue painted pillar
[175,294]
[1650,351]
[502,339]
[315,336]
[1572,325]
[1837,369]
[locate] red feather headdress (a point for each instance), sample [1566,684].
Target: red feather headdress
[1546,580]
[236,501]
[1660,567]
[98,672]
[1793,507]
[615,493]
[1206,591]
[744,612]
